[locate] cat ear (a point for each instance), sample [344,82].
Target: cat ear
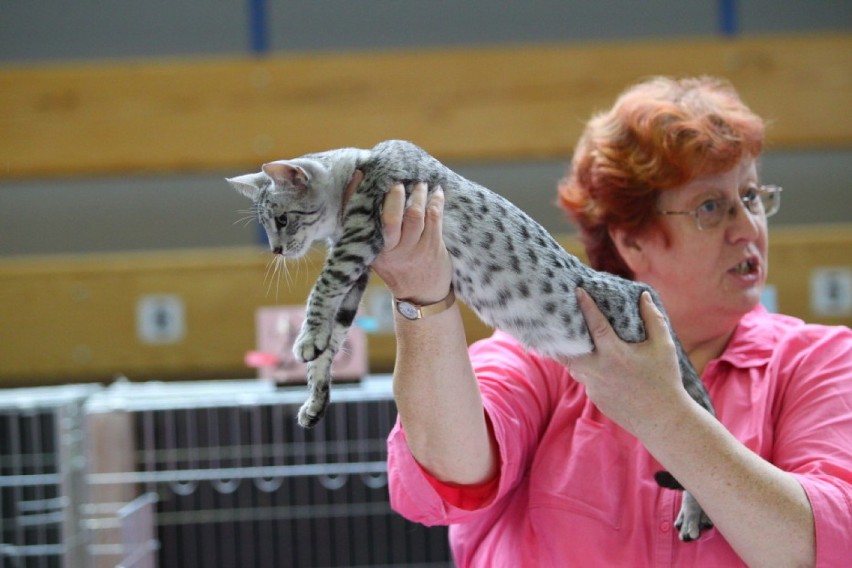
[287,174]
[248,185]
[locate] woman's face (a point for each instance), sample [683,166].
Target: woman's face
[707,278]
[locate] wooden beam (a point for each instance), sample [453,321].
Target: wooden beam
[74,318]
[517,102]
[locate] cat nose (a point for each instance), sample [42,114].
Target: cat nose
[277,250]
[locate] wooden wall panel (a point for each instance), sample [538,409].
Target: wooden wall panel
[73,318]
[795,253]
[76,317]
[515,102]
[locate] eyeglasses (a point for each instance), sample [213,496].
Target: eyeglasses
[759,200]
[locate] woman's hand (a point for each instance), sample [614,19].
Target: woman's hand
[637,385]
[415,264]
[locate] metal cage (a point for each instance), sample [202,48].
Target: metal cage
[42,477]
[221,471]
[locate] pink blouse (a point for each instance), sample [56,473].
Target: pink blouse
[574,487]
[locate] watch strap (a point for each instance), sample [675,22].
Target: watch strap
[413,311]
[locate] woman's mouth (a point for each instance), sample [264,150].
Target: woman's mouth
[748,268]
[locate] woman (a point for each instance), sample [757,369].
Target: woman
[534,462]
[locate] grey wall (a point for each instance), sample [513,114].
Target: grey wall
[38,30]
[176,211]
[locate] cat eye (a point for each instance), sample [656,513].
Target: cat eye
[759,200]
[281,221]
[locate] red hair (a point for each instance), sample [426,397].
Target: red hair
[660,134]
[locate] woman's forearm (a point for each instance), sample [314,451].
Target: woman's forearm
[439,401]
[436,392]
[762,511]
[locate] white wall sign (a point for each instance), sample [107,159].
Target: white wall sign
[160,318]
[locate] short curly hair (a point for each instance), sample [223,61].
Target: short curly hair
[660,134]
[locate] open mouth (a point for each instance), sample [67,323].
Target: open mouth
[747,267]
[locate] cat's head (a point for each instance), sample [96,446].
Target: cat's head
[293,200]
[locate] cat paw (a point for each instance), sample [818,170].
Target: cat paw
[311,413]
[311,343]
[319,387]
[692,519]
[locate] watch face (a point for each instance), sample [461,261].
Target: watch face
[407,310]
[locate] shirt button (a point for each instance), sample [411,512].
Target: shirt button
[665,526]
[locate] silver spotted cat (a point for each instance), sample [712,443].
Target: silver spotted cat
[506,267]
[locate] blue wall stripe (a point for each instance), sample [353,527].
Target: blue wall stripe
[258,36]
[728,22]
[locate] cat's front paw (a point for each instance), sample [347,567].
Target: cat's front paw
[310,413]
[319,383]
[312,342]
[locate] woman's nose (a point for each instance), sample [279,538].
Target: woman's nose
[742,222]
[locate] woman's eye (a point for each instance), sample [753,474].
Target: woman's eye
[749,195]
[709,207]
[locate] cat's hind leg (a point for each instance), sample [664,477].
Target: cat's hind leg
[692,519]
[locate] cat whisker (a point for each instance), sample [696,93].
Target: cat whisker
[245,220]
[288,276]
[274,269]
[271,268]
[310,265]
[303,271]
[310,262]
[280,266]
[248,215]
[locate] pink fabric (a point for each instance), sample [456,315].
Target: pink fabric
[573,486]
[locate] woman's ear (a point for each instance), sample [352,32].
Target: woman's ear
[630,247]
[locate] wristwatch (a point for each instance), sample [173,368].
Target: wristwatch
[410,310]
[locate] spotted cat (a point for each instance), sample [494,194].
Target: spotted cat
[506,267]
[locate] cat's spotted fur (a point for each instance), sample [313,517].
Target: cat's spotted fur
[506,267]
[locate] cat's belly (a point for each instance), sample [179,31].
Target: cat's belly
[556,331]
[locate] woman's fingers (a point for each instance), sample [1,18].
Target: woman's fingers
[403,222]
[599,327]
[393,209]
[415,262]
[413,219]
[434,220]
[654,320]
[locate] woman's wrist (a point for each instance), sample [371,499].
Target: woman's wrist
[426,296]
[421,291]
